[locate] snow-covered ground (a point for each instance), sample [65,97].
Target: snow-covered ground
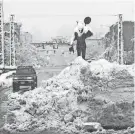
[104,67]
[54,103]
[6,79]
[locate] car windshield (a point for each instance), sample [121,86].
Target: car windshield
[24,71]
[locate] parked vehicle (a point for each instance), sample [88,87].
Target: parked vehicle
[55,46]
[24,76]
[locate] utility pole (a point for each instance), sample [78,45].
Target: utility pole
[2,34]
[120,40]
[12,41]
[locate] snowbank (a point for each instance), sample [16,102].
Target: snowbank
[56,104]
[130,69]
[5,81]
[105,68]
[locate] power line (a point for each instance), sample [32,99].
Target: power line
[65,15]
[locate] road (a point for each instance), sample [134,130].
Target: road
[56,63]
[48,72]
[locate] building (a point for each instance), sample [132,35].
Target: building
[17,29]
[128,34]
[111,39]
[26,38]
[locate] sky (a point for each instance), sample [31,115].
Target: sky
[49,18]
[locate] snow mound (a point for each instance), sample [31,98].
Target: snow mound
[56,103]
[130,69]
[105,68]
[101,67]
[5,81]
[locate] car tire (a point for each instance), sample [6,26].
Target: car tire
[15,87]
[33,86]
[36,84]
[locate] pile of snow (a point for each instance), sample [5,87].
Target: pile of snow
[101,67]
[55,104]
[6,80]
[105,68]
[130,69]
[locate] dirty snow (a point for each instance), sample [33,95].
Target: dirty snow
[55,103]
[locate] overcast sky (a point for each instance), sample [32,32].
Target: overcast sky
[49,18]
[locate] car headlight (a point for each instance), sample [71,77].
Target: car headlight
[15,78]
[29,78]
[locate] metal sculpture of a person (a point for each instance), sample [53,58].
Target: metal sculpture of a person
[81,32]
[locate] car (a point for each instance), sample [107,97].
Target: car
[55,46]
[24,76]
